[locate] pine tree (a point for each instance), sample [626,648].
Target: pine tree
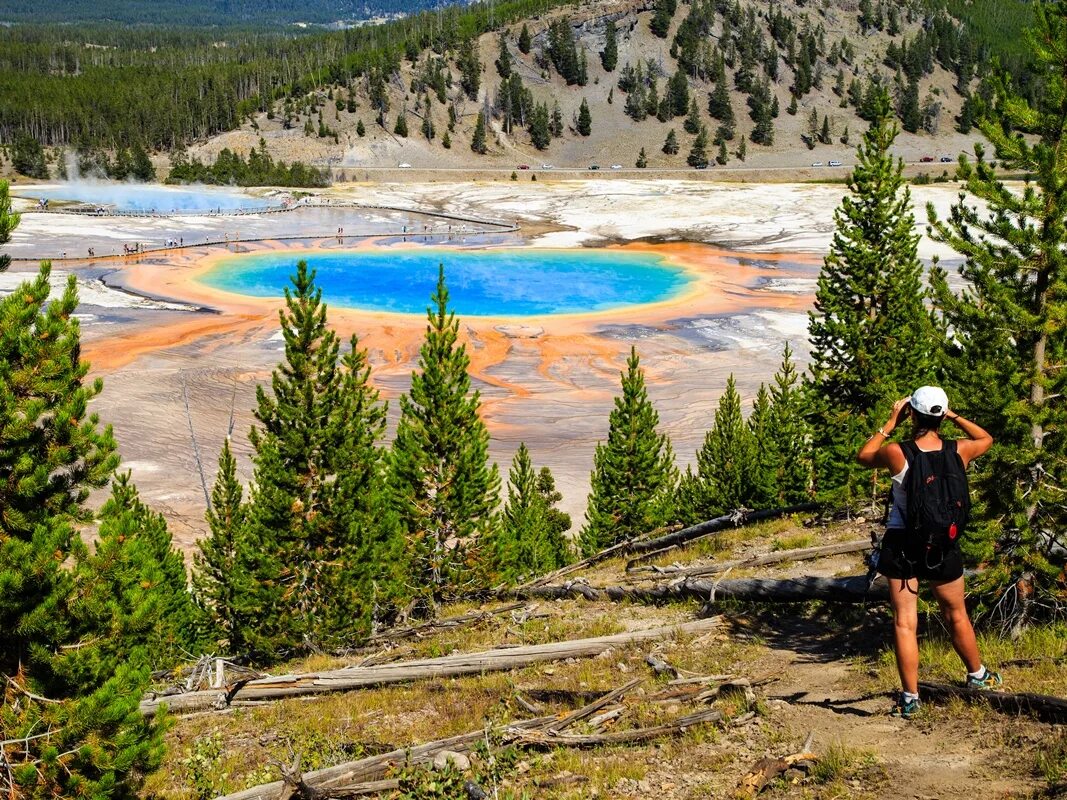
[428,129]
[609,56]
[525,41]
[555,125]
[361,129]
[9,220]
[478,140]
[698,155]
[529,541]
[813,129]
[692,120]
[742,150]
[633,471]
[763,478]
[910,114]
[557,522]
[670,144]
[1005,342]
[74,624]
[824,135]
[870,334]
[443,489]
[585,119]
[790,433]
[401,127]
[642,160]
[661,19]
[503,60]
[540,135]
[315,512]
[218,578]
[722,156]
[726,459]
[470,69]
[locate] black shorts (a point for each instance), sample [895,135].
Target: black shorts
[904,557]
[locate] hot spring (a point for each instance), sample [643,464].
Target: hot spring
[481,283]
[145,197]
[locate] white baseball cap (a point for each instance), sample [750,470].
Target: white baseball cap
[930,400]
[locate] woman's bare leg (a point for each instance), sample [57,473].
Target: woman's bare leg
[950,598]
[903,597]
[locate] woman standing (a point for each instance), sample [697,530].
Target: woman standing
[905,558]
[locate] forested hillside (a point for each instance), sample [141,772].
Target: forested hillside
[735,76]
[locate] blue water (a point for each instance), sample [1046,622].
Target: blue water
[506,283]
[145,197]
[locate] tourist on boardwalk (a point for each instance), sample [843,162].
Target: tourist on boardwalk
[927,517]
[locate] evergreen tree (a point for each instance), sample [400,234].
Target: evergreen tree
[670,144]
[824,134]
[315,521]
[698,155]
[470,69]
[529,541]
[642,159]
[140,165]
[9,220]
[446,141]
[27,157]
[609,56]
[790,434]
[428,129]
[766,457]
[540,135]
[401,127]
[585,119]
[478,141]
[74,624]
[443,488]
[742,150]
[218,578]
[525,41]
[633,471]
[557,522]
[910,114]
[870,333]
[660,24]
[361,129]
[1005,340]
[503,60]
[792,109]
[692,121]
[555,125]
[725,461]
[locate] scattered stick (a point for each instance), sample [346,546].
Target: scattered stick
[590,709]
[418,631]
[541,738]
[767,590]
[502,659]
[1043,707]
[802,554]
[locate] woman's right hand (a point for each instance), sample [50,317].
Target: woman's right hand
[900,412]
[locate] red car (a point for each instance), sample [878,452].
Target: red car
[926,159]
[527,166]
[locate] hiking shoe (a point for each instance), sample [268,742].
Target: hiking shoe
[905,709]
[987,681]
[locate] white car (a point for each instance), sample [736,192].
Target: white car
[404,165]
[547,166]
[616,166]
[835,163]
[817,164]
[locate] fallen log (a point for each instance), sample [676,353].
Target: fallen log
[1043,707]
[765,770]
[801,554]
[350,773]
[734,519]
[652,542]
[279,686]
[786,590]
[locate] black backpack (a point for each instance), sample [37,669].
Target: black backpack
[939,500]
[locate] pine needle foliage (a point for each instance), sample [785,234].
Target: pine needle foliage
[1005,338]
[726,461]
[79,628]
[634,475]
[443,489]
[9,220]
[530,539]
[871,336]
[315,521]
[789,434]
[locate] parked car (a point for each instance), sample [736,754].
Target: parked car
[926,159]
[834,163]
[701,166]
[547,166]
[404,165]
[524,166]
[946,159]
[817,164]
[594,166]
